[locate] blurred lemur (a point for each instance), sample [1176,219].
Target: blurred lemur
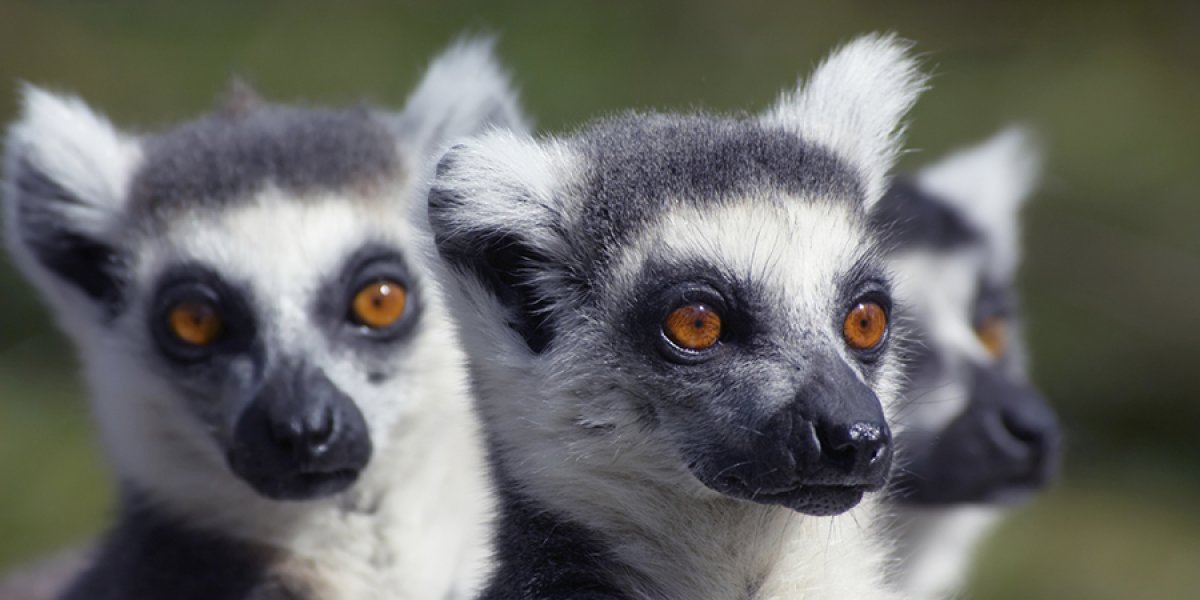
[977,434]
[267,360]
[681,338]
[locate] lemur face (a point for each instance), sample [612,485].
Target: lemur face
[980,431]
[700,292]
[253,278]
[245,288]
[299,361]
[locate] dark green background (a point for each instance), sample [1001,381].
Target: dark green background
[1112,278]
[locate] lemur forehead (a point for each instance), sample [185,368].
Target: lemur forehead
[229,156]
[908,217]
[642,165]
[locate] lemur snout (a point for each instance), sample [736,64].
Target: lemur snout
[1023,428]
[301,437]
[1005,445]
[817,455]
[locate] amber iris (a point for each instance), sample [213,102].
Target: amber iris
[693,327]
[993,334]
[379,304]
[865,326]
[195,323]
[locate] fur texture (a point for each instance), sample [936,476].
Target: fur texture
[278,205]
[977,433]
[614,451]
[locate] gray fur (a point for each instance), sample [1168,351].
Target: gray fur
[640,165]
[233,155]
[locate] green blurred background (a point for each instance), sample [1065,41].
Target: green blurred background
[1112,280]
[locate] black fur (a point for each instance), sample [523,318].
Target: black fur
[151,556]
[230,156]
[908,217]
[542,556]
[93,266]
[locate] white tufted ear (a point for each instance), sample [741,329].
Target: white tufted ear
[988,184]
[67,171]
[853,104]
[464,92]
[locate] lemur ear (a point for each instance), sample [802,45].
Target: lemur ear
[988,184]
[67,170]
[854,103]
[464,92]
[492,211]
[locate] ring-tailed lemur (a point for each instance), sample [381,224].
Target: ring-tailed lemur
[274,378]
[978,434]
[678,336]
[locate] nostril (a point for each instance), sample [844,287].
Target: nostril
[322,431]
[1022,430]
[307,435]
[860,445]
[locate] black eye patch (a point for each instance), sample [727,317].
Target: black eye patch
[197,284]
[332,308]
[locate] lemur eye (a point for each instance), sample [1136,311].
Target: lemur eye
[379,303]
[693,327]
[865,326]
[195,322]
[993,334]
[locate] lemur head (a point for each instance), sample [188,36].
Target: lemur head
[244,288]
[698,299]
[979,431]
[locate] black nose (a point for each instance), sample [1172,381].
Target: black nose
[309,433]
[1027,433]
[860,449]
[1003,446]
[301,437]
[818,454]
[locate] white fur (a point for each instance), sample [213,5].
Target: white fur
[853,104]
[987,184]
[465,87]
[80,150]
[944,542]
[939,290]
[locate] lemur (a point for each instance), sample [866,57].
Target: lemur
[272,373]
[978,434]
[680,336]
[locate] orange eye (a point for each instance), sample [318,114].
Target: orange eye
[864,326]
[693,327]
[993,334]
[379,303]
[196,323]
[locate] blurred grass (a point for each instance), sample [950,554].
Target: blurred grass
[1112,279]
